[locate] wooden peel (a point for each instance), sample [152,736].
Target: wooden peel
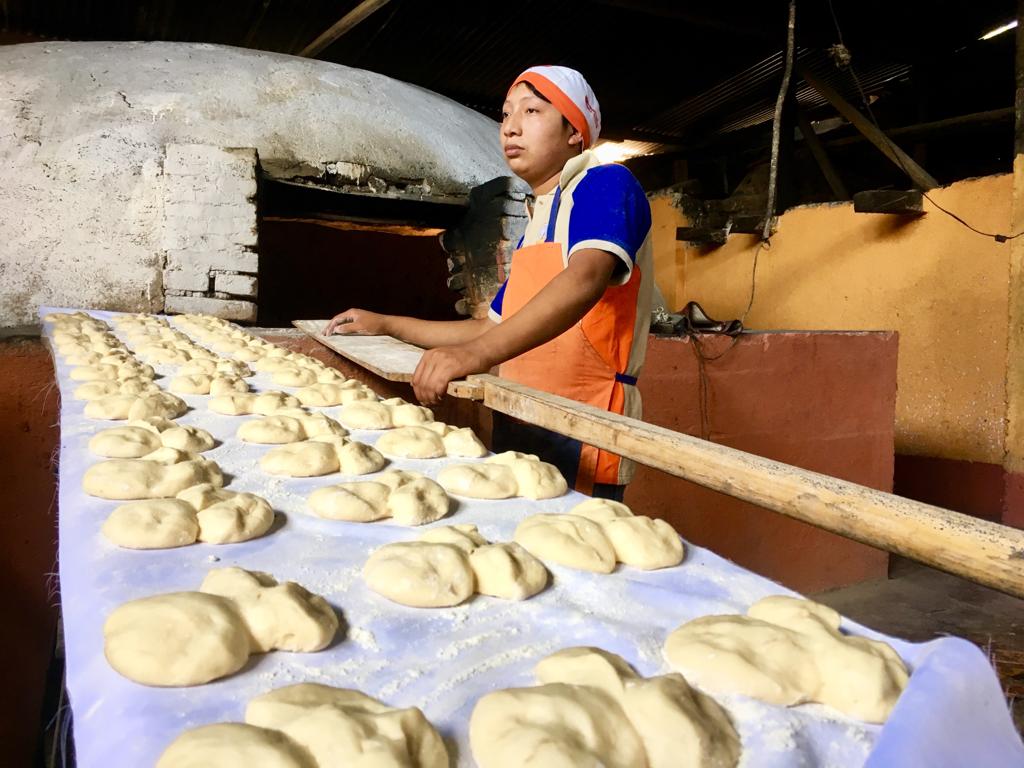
[979,550]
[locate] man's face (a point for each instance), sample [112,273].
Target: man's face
[535,139]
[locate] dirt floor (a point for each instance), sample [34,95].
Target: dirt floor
[919,603]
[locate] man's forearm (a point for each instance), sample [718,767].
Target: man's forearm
[436,333]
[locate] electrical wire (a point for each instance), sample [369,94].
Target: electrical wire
[997,236]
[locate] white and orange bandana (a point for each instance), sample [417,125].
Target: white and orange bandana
[570,94]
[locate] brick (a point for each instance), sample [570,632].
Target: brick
[228,260]
[229,309]
[187,276]
[235,284]
[212,188]
[200,159]
[227,208]
[180,240]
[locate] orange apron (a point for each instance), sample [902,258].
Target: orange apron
[587,362]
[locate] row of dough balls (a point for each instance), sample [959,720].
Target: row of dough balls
[309,725]
[789,651]
[595,535]
[449,564]
[123,407]
[201,513]
[503,476]
[591,708]
[81,339]
[322,455]
[191,638]
[408,498]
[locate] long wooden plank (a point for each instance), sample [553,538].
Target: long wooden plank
[384,356]
[981,551]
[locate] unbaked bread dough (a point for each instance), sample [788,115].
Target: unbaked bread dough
[308,725]
[347,728]
[408,497]
[478,481]
[243,404]
[789,651]
[234,745]
[190,638]
[280,429]
[568,540]
[535,479]
[139,438]
[207,384]
[127,479]
[410,415]
[508,571]
[322,456]
[593,709]
[152,524]
[420,574]
[411,443]
[638,541]
[283,617]
[465,537]
[182,638]
[228,517]
[328,393]
[94,390]
[160,404]
[294,377]
[464,443]
[365,414]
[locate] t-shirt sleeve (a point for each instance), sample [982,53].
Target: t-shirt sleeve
[495,311]
[610,212]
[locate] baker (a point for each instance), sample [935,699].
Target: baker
[573,316]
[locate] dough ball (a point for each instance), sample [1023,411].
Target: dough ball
[272,430]
[319,425]
[127,479]
[334,722]
[191,384]
[410,415]
[411,443]
[601,510]
[568,540]
[268,403]
[355,458]
[507,571]
[94,373]
[228,517]
[330,376]
[110,407]
[187,438]
[162,404]
[465,537]
[644,542]
[294,377]
[234,745]
[418,502]
[137,386]
[679,725]
[396,478]
[366,414]
[305,459]
[420,574]
[182,638]
[232,405]
[155,524]
[463,442]
[361,502]
[227,384]
[94,390]
[284,617]
[789,651]
[535,479]
[124,442]
[328,394]
[553,725]
[478,481]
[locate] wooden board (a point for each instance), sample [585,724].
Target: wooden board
[384,356]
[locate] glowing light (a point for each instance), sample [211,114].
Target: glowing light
[999,30]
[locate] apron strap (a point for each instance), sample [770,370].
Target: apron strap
[625,378]
[553,217]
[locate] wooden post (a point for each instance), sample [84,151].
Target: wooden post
[821,157]
[342,25]
[978,550]
[901,159]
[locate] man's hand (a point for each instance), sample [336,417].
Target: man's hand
[358,322]
[442,365]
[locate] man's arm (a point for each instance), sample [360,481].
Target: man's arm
[422,333]
[555,309]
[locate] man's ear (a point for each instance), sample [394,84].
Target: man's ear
[576,139]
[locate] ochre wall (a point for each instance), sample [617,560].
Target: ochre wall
[943,287]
